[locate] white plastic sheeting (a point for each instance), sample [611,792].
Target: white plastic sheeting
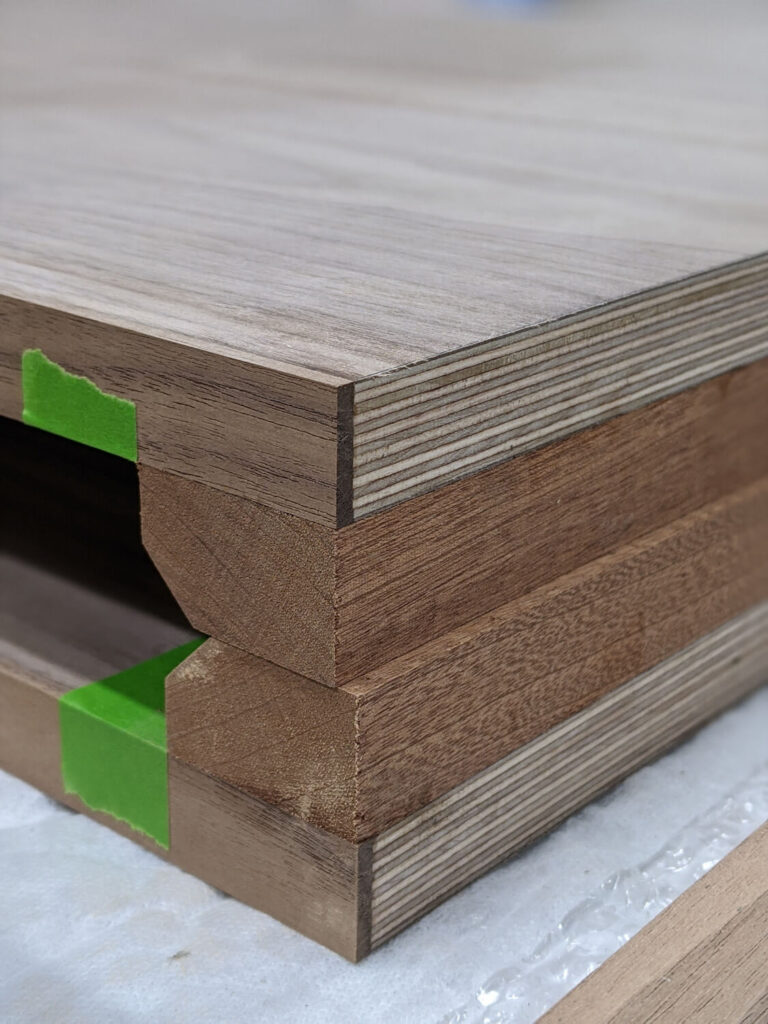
[93,928]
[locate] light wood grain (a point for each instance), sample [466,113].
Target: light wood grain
[335,201]
[332,605]
[441,848]
[360,757]
[702,960]
[291,207]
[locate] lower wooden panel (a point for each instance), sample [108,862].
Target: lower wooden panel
[441,848]
[703,960]
[353,897]
[309,879]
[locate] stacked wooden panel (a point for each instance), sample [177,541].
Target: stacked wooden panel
[472,506]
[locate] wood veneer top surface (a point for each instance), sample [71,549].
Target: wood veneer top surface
[345,194]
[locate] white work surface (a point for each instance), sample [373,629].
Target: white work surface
[94,929]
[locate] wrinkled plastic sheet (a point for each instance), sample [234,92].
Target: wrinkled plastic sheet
[93,928]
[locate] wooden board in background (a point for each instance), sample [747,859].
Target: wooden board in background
[703,960]
[332,605]
[360,757]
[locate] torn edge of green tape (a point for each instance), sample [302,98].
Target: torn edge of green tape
[74,407]
[113,743]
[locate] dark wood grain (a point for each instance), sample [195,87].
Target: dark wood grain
[332,605]
[358,758]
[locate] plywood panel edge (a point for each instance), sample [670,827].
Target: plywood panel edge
[432,423]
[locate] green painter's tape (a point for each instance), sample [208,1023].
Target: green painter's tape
[113,745]
[74,407]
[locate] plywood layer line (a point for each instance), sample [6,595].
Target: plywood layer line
[358,758]
[319,301]
[333,605]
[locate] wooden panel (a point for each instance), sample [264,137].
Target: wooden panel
[308,879]
[702,960]
[247,247]
[206,415]
[425,722]
[332,606]
[347,895]
[316,211]
[497,812]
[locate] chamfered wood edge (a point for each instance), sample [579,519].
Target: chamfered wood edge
[310,880]
[252,576]
[695,947]
[356,759]
[331,604]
